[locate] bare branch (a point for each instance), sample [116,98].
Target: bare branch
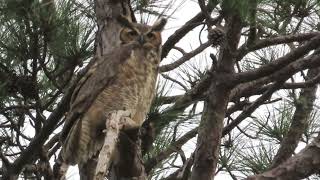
[194,94]
[187,27]
[185,58]
[206,13]
[183,172]
[250,109]
[246,48]
[114,124]
[309,83]
[182,51]
[175,81]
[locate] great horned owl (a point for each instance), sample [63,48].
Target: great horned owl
[133,87]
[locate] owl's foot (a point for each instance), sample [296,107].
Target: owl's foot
[126,121]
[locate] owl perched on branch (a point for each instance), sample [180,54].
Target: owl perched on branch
[132,70]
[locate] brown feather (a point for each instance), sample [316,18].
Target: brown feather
[123,79]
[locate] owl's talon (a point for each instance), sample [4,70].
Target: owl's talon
[128,123]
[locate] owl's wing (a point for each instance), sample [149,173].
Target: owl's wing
[102,74]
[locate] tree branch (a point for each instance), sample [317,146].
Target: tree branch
[114,124]
[300,166]
[246,48]
[251,108]
[304,106]
[187,27]
[173,147]
[31,152]
[185,58]
[278,64]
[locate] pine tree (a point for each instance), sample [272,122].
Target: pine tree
[241,104]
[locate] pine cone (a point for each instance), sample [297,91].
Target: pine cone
[216,35]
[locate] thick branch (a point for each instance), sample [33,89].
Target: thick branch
[246,48]
[278,64]
[108,27]
[259,86]
[302,165]
[169,99]
[299,122]
[192,95]
[251,108]
[114,124]
[211,125]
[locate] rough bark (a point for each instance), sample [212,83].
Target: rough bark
[115,122]
[108,28]
[211,125]
[300,166]
[129,164]
[293,59]
[304,106]
[263,43]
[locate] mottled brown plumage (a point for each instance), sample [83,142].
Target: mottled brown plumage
[131,86]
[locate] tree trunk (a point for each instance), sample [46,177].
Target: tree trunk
[211,125]
[107,36]
[128,163]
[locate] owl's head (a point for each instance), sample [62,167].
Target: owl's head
[147,36]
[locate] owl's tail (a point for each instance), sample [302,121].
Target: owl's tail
[70,150]
[82,142]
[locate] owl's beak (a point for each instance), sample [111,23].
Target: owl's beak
[141,40]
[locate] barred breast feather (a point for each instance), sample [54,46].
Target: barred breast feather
[132,89]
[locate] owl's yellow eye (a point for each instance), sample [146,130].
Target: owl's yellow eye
[132,33]
[151,35]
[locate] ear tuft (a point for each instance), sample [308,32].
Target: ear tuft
[159,24]
[125,22]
